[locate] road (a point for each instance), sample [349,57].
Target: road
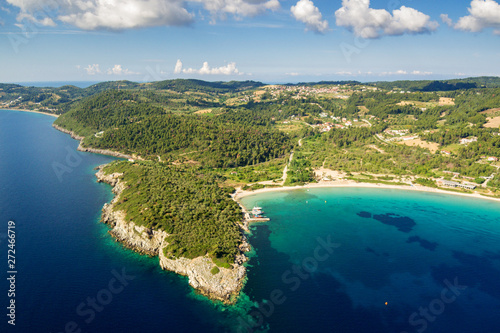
[285,171]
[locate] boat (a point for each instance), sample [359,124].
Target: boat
[257,212]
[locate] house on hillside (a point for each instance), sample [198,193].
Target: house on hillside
[466,141]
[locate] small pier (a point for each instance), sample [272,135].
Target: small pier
[255,215]
[260,219]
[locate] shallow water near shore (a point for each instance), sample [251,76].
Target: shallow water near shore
[328,260]
[434,258]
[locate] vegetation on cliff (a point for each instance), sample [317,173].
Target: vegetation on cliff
[189,203]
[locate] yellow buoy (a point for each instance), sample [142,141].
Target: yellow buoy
[385,303]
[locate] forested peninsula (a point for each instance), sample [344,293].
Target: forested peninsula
[189,145]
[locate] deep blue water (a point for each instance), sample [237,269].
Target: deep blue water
[63,253]
[328,261]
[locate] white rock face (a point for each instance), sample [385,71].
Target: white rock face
[224,285]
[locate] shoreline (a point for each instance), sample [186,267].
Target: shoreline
[106,152]
[33,111]
[340,184]
[224,285]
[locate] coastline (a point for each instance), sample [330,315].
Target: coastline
[224,285]
[93,150]
[340,184]
[33,111]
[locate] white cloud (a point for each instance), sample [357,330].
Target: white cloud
[126,14]
[292,74]
[130,14]
[483,14]
[118,70]
[446,19]
[178,67]
[398,72]
[366,22]
[42,21]
[219,8]
[229,69]
[421,73]
[306,12]
[93,69]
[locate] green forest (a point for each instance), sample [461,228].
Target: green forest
[190,204]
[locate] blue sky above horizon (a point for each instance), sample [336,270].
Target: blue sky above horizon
[263,40]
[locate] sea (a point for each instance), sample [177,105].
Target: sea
[330,260]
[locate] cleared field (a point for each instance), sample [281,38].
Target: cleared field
[403,103]
[288,128]
[380,150]
[432,146]
[363,110]
[492,122]
[419,104]
[204,111]
[446,101]
[491,111]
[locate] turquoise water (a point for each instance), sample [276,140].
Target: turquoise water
[405,248]
[327,261]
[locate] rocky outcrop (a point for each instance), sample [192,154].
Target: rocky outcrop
[224,285]
[103,152]
[137,238]
[220,283]
[73,134]
[91,150]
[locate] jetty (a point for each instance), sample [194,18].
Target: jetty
[256,215]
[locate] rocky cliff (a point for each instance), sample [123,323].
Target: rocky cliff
[72,134]
[92,150]
[222,284]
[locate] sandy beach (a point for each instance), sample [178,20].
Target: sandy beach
[24,110]
[332,184]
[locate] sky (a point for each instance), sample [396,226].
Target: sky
[273,41]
